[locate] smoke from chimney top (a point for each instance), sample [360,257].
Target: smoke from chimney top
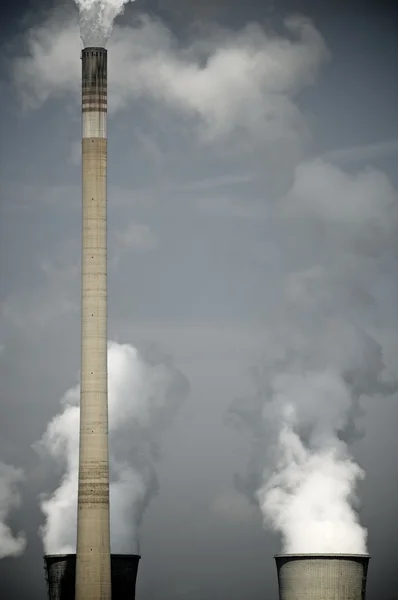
[96,19]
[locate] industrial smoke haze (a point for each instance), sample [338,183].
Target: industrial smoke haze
[10,544]
[330,251]
[322,357]
[96,19]
[309,495]
[308,492]
[144,395]
[308,499]
[232,81]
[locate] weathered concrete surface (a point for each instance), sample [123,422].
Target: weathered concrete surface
[93,563]
[322,577]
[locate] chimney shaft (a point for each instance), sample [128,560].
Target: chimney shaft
[93,562]
[321,576]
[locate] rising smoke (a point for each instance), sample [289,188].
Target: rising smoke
[235,81]
[145,392]
[96,19]
[309,494]
[10,544]
[336,236]
[332,243]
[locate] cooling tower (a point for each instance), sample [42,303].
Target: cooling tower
[93,563]
[60,574]
[322,577]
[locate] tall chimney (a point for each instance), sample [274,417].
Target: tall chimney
[322,576]
[93,560]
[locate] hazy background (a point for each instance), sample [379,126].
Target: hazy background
[196,258]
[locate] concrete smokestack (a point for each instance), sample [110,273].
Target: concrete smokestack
[322,576]
[61,568]
[93,561]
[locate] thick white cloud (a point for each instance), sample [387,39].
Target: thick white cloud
[230,81]
[334,241]
[144,396]
[324,252]
[51,66]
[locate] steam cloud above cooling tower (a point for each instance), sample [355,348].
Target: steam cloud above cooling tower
[321,358]
[308,497]
[96,19]
[144,395]
[331,240]
[10,544]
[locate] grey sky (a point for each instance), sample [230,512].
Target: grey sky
[225,195]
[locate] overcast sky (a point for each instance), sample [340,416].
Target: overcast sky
[252,198]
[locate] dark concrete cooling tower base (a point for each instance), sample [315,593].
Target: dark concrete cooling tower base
[322,576]
[61,570]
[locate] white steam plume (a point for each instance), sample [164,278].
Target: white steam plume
[144,395]
[336,243]
[301,471]
[230,82]
[10,544]
[308,497]
[96,19]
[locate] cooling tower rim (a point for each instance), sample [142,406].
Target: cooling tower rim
[117,555]
[321,555]
[97,48]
